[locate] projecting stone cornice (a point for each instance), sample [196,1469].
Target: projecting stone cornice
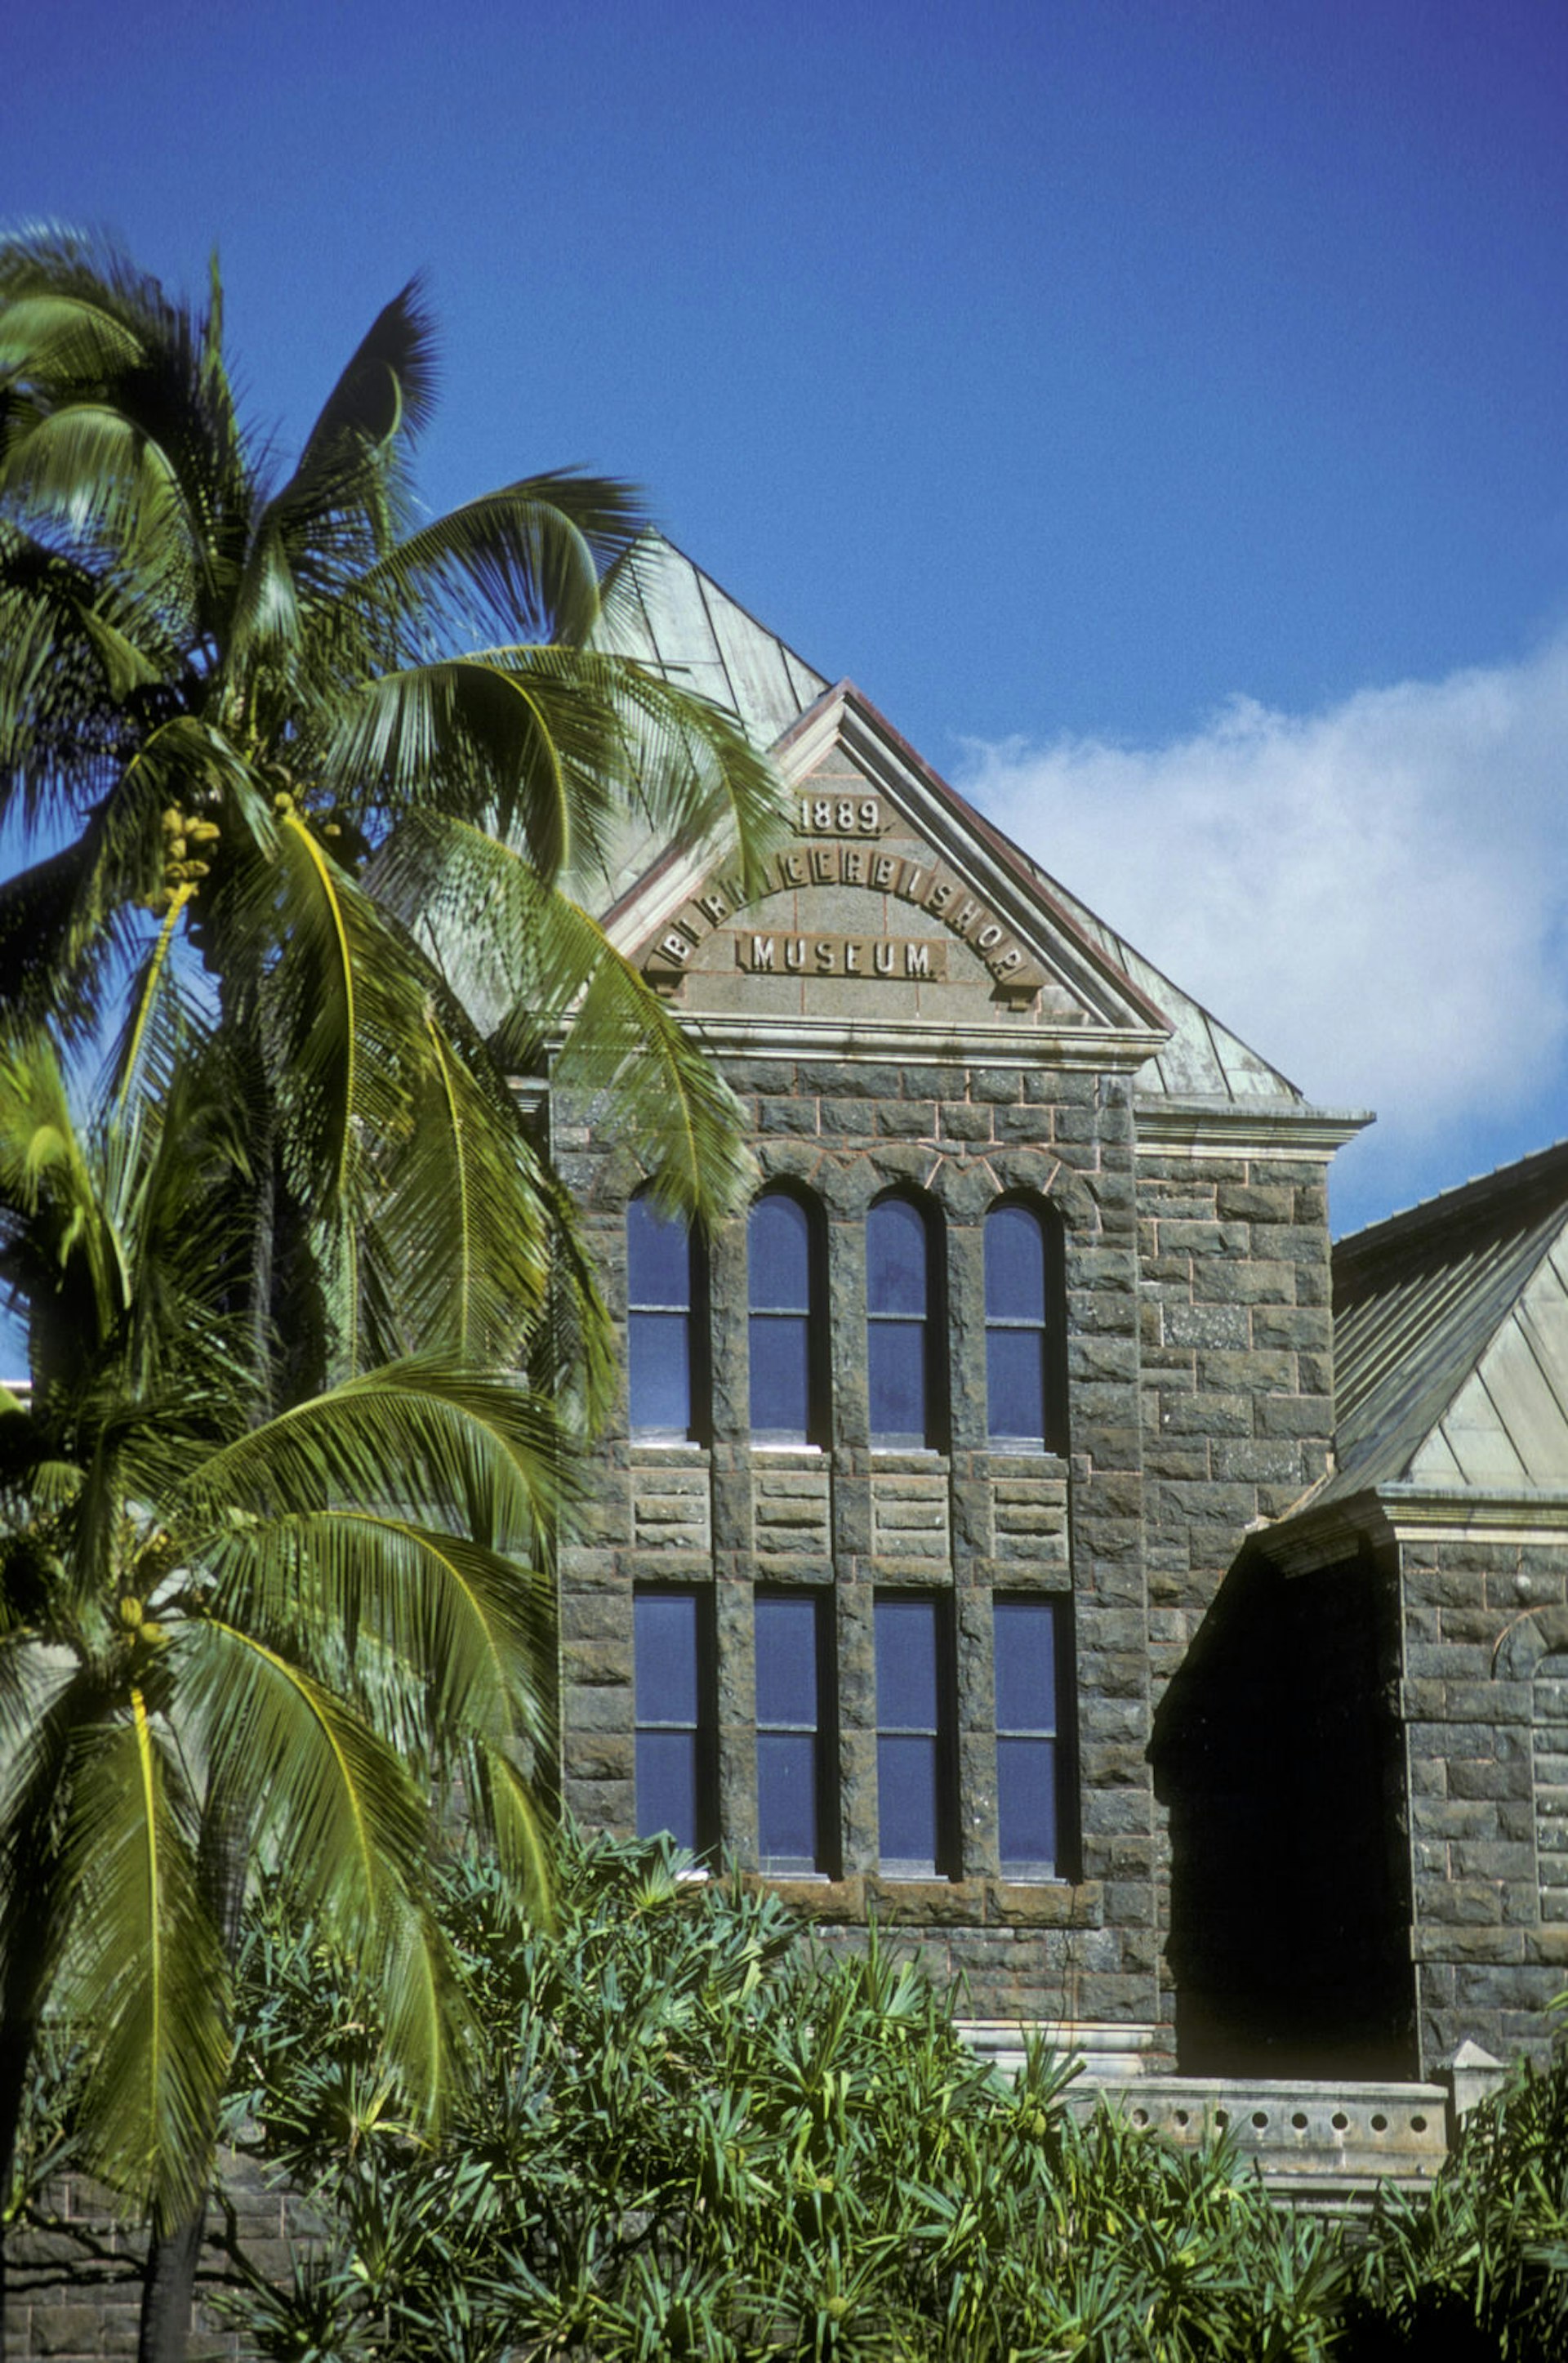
[1317,1532]
[1273,1129]
[1095,1050]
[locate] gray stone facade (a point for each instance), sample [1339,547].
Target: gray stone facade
[1196,1327]
[1310,1510]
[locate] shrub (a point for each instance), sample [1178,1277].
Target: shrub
[685,2131]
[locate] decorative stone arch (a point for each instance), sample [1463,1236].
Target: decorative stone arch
[1029,1172]
[782,1159]
[1536,1634]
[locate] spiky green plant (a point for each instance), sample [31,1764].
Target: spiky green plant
[692,2134]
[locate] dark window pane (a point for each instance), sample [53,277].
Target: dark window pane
[895,1374]
[666,1654]
[906,1665]
[658,1372]
[787,1661]
[667,1785]
[895,1257]
[779,1256]
[786,1798]
[1015,1265]
[907,1800]
[780,1377]
[1026,1802]
[659,1258]
[1015,1383]
[1026,1665]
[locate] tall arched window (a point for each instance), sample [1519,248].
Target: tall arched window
[788,1338]
[902,1322]
[664,1362]
[1025,1391]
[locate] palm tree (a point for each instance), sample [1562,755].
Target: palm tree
[279,739]
[279,720]
[199,1601]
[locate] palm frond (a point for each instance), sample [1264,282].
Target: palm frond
[94,473]
[64,339]
[340,1819]
[464,729]
[521,563]
[424,1434]
[388,387]
[468,1627]
[61,1255]
[348,1018]
[461,1244]
[503,930]
[54,968]
[144,1970]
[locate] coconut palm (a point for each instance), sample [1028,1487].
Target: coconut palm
[279,719]
[199,1604]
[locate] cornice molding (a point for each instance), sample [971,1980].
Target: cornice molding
[1093,1049]
[1308,1537]
[1274,1128]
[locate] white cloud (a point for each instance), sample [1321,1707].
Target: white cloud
[1374,897]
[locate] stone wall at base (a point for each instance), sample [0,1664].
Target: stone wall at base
[73,2274]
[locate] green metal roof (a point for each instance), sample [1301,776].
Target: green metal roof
[1450,1339]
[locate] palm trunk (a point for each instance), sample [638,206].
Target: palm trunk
[168,2291]
[174,2252]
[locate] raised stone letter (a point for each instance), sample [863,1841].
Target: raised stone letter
[762,954]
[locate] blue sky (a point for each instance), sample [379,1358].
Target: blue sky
[1156,407]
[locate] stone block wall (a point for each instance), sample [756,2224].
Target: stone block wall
[73,2273]
[967,1521]
[1482,1620]
[1237,1381]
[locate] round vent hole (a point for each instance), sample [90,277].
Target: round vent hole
[1417,2124]
[1140,2116]
[1340,2120]
[1221,2116]
[1260,2118]
[1380,2124]
[1299,2121]
[1181,2116]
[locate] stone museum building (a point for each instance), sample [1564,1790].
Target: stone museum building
[1018,1529]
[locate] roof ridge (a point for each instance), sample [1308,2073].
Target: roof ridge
[1492,1190]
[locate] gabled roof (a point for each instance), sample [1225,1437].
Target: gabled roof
[671,616]
[1451,1340]
[666,612]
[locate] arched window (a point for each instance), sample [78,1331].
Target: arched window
[664,1363]
[788,1336]
[1025,1392]
[901,1321]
